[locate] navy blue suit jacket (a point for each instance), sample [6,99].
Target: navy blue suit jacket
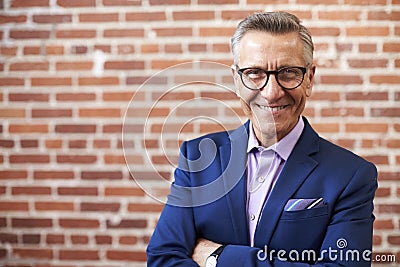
[339,232]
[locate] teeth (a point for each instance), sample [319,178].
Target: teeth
[273,109]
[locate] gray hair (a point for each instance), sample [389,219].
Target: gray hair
[274,23]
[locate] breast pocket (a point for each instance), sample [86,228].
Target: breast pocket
[301,230]
[305,214]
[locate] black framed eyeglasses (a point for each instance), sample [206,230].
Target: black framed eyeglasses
[288,78]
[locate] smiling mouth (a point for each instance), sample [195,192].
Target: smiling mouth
[273,109]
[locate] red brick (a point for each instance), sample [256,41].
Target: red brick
[391,47]
[34,190]
[29,158]
[76,159]
[77,144]
[121,3]
[193,15]
[78,223]
[339,15]
[216,31]
[12,113]
[367,96]
[367,127]
[29,143]
[29,34]
[95,175]
[383,15]
[173,32]
[53,174]
[13,174]
[28,128]
[79,239]
[121,96]
[325,31]
[54,206]
[103,239]
[7,143]
[31,3]
[55,239]
[337,112]
[78,191]
[382,192]
[72,34]
[136,207]
[52,18]
[98,17]
[341,79]
[388,208]
[97,112]
[33,253]
[128,240]
[123,191]
[75,128]
[11,206]
[103,81]
[101,143]
[126,49]
[8,238]
[11,81]
[128,255]
[368,63]
[12,19]
[124,65]
[123,33]
[385,79]
[394,239]
[145,16]
[30,239]
[169,2]
[79,255]
[74,66]
[367,48]
[76,3]
[127,223]
[26,97]
[51,113]
[53,143]
[61,81]
[31,223]
[385,112]
[102,207]
[74,97]
[367,31]
[365,2]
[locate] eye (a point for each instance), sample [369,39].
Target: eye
[254,74]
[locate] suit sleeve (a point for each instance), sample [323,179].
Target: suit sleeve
[173,240]
[352,221]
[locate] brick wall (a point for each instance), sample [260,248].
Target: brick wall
[69,69]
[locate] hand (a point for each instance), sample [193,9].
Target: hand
[202,250]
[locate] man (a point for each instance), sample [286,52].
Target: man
[272,192]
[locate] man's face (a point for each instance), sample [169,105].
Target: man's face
[273,104]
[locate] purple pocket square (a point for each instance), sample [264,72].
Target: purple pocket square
[303,203]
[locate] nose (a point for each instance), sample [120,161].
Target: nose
[272,91]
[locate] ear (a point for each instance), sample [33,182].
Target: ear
[236,79]
[310,80]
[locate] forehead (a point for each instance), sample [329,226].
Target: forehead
[262,48]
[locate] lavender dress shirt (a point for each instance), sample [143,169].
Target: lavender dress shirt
[263,168]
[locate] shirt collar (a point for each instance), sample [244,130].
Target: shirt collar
[284,147]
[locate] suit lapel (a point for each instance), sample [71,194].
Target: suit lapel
[297,168]
[233,163]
